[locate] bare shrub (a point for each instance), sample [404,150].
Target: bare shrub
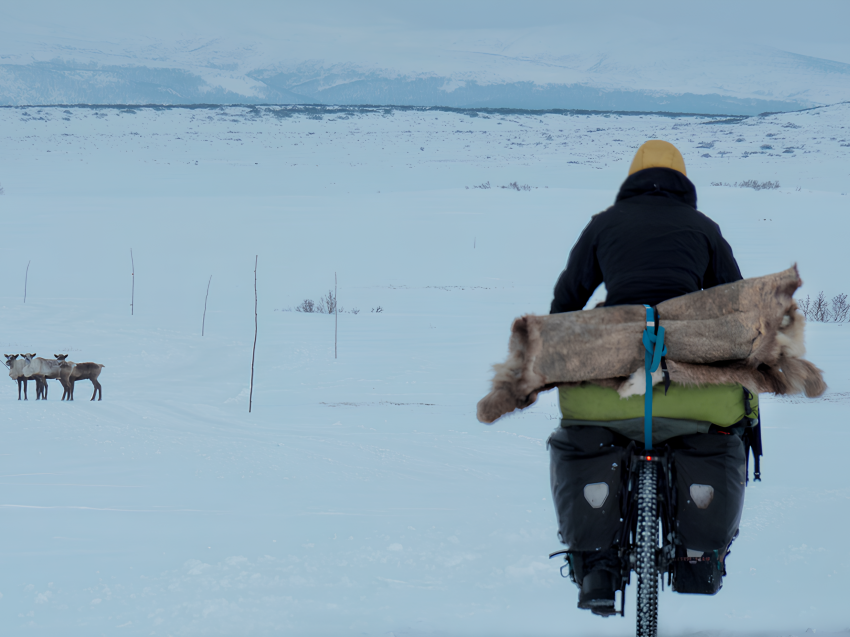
[820,310]
[749,183]
[805,306]
[327,303]
[378,309]
[484,186]
[840,308]
[1,190]
[307,306]
[515,186]
[758,185]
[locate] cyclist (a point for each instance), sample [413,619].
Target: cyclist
[651,245]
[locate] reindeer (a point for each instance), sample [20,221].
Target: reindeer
[43,369]
[39,386]
[16,371]
[70,373]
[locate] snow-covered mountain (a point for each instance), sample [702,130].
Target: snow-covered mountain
[532,68]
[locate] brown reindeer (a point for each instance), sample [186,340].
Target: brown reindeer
[70,373]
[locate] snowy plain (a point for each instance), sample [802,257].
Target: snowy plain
[361,496]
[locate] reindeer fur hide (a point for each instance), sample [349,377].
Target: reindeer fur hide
[748,332]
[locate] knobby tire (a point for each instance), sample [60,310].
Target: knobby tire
[646,547]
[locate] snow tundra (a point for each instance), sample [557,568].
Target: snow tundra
[361,496]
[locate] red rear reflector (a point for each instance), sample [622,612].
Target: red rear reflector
[649,457]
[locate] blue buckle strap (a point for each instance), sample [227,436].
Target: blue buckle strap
[653,342]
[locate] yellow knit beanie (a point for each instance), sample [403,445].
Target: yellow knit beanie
[658,154]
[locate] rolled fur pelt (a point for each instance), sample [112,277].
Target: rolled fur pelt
[748,332]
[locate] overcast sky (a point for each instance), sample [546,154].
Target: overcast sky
[813,27]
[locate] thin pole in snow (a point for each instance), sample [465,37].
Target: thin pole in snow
[336,315]
[133,279]
[204,320]
[26,277]
[254,352]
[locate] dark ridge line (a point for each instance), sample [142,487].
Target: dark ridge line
[810,108]
[389,108]
[337,108]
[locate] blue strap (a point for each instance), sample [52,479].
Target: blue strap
[653,342]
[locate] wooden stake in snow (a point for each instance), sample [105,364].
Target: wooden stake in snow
[204,320]
[254,352]
[336,315]
[26,277]
[133,279]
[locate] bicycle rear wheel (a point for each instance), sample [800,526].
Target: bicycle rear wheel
[646,547]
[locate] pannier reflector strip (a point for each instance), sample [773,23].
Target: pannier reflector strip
[702,495]
[596,494]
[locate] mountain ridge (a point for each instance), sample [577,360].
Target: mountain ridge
[466,70]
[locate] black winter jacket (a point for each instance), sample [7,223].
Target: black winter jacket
[650,246]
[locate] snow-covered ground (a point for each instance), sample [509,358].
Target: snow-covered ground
[361,496]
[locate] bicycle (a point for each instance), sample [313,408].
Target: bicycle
[659,491]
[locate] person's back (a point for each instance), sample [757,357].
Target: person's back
[651,245]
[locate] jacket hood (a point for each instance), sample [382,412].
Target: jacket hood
[658,154]
[659,182]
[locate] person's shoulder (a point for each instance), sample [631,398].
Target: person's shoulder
[709,224]
[704,218]
[601,221]
[606,215]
